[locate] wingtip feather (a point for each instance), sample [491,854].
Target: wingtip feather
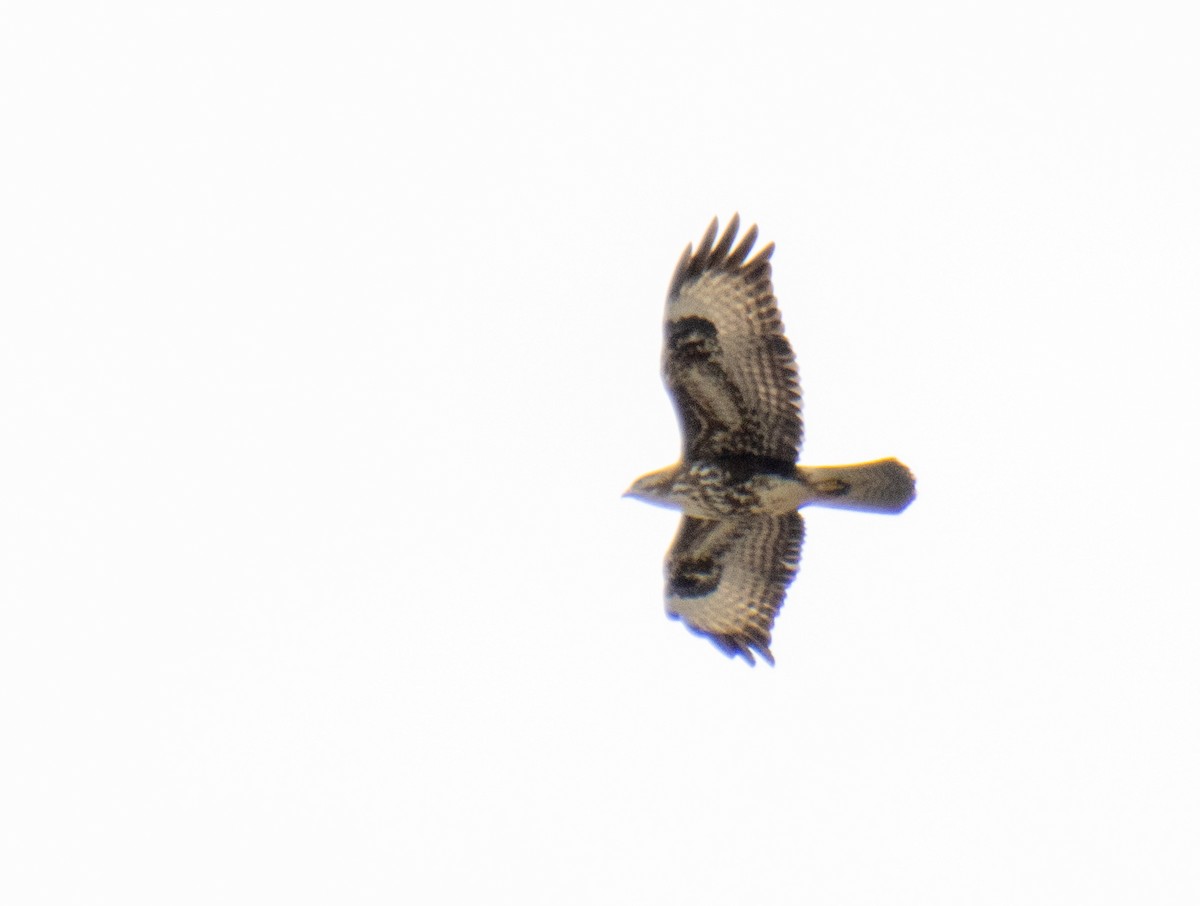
[721,250]
[763,256]
[704,249]
[681,269]
[722,253]
[738,255]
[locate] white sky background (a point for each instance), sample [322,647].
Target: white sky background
[329,341]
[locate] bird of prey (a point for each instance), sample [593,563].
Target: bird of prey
[732,376]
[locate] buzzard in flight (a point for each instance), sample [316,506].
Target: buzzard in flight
[732,376]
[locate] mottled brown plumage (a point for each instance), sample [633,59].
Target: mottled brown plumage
[722,575]
[732,376]
[726,362]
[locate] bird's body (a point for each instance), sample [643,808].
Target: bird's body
[732,375]
[712,489]
[719,489]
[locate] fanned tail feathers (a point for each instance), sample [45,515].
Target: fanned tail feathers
[882,486]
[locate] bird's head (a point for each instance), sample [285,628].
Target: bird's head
[655,487]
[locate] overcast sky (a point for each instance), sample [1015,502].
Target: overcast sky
[329,339]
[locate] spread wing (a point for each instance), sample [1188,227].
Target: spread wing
[726,578]
[729,368]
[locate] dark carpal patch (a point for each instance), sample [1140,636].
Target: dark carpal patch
[694,578]
[692,339]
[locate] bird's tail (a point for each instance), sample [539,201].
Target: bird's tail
[882,486]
